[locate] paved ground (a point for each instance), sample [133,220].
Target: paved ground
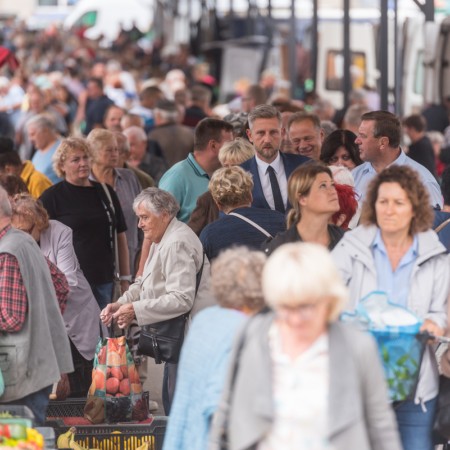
[153,384]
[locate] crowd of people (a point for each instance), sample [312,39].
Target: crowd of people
[128,197]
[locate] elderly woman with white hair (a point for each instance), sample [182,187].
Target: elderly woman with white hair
[299,379]
[168,287]
[236,284]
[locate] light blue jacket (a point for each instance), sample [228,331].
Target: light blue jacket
[200,379]
[428,293]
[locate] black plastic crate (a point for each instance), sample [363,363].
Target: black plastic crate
[120,437]
[71,407]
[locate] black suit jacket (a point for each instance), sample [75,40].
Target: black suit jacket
[290,163]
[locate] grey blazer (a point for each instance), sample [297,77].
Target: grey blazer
[360,416]
[82,313]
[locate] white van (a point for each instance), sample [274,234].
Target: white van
[107,17]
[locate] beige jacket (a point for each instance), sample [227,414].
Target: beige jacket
[167,286]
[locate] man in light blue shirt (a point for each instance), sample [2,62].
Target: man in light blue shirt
[379,147]
[189,179]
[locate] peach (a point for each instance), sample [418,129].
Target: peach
[112,385]
[116,373]
[113,359]
[125,387]
[98,378]
[124,370]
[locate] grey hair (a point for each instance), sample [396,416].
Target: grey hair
[354,113]
[263,112]
[157,202]
[167,116]
[5,204]
[42,121]
[135,131]
[236,278]
[122,142]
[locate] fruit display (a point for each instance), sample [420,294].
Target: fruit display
[16,435]
[67,441]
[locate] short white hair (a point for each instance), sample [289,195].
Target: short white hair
[300,273]
[157,201]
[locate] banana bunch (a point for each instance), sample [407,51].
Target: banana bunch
[67,440]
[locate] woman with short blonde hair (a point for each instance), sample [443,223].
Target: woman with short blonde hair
[94,214]
[234,153]
[231,189]
[66,146]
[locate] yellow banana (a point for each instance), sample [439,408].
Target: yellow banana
[144,446]
[66,438]
[75,446]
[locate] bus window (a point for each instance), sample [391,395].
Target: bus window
[335,72]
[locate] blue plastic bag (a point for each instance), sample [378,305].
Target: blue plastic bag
[400,346]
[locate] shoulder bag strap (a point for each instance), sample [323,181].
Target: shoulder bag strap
[442,225]
[253,224]
[116,249]
[198,277]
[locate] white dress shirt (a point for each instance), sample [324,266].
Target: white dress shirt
[280,173]
[300,392]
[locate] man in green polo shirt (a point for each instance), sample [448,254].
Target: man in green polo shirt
[189,179]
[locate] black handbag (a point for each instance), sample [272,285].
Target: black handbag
[163,340]
[442,418]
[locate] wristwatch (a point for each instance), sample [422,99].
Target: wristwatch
[125,278]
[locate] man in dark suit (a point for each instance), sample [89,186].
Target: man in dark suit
[270,168]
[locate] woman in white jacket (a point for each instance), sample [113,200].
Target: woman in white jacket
[395,251]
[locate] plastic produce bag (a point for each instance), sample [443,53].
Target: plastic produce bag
[115,394]
[400,345]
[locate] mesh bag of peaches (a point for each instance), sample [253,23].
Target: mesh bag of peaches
[115,394]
